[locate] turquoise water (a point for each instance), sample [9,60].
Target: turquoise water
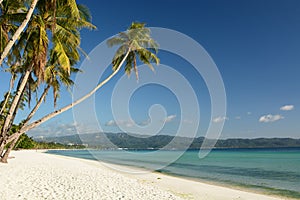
[273,171]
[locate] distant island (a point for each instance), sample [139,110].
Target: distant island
[130,141]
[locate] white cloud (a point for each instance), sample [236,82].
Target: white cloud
[238,117]
[169,118]
[249,113]
[127,123]
[219,119]
[146,122]
[287,107]
[111,123]
[270,118]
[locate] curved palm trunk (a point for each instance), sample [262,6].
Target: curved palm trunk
[4,138]
[57,112]
[14,105]
[16,136]
[36,107]
[7,152]
[18,31]
[2,146]
[12,111]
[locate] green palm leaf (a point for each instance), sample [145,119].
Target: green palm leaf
[137,39]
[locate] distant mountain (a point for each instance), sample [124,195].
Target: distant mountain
[124,140]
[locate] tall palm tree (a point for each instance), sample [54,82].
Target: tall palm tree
[12,13]
[13,140]
[58,22]
[33,44]
[135,43]
[7,6]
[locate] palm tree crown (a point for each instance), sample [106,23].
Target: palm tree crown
[138,42]
[50,46]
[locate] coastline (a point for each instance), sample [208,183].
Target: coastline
[36,175]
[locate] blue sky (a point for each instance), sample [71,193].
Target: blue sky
[255,45]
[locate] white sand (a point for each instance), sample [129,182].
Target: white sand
[35,175]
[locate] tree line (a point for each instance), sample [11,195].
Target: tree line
[25,142]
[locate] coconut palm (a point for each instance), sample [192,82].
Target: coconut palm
[58,21]
[12,13]
[9,9]
[138,42]
[32,48]
[135,43]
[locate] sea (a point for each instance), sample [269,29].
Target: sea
[274,171]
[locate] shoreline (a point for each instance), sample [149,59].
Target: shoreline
[62,177]
[269,191]
[246,188]
[157,177]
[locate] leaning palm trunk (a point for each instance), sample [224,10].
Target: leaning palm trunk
[2,146]
[12,111]
[14,106]
[6,136]
[57,112]
[18,31]
[7,152]
[34,124]
[14,138]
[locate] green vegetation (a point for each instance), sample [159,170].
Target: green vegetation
[26,142]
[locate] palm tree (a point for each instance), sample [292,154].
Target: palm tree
[60,22]
[138,42]
[12,13]
[33,45]
[13,140]
[135,43]
[6,104]
[20,29]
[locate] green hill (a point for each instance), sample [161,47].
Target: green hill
[124,140]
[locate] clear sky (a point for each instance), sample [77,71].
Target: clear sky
[255,45]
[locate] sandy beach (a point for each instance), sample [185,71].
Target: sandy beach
[37,175]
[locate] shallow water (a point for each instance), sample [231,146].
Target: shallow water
[273,171]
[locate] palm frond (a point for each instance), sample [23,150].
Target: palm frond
[61,55]
[73,8]
[137,39]
[84,13]
[121,51]
[50,42]
[115,41]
